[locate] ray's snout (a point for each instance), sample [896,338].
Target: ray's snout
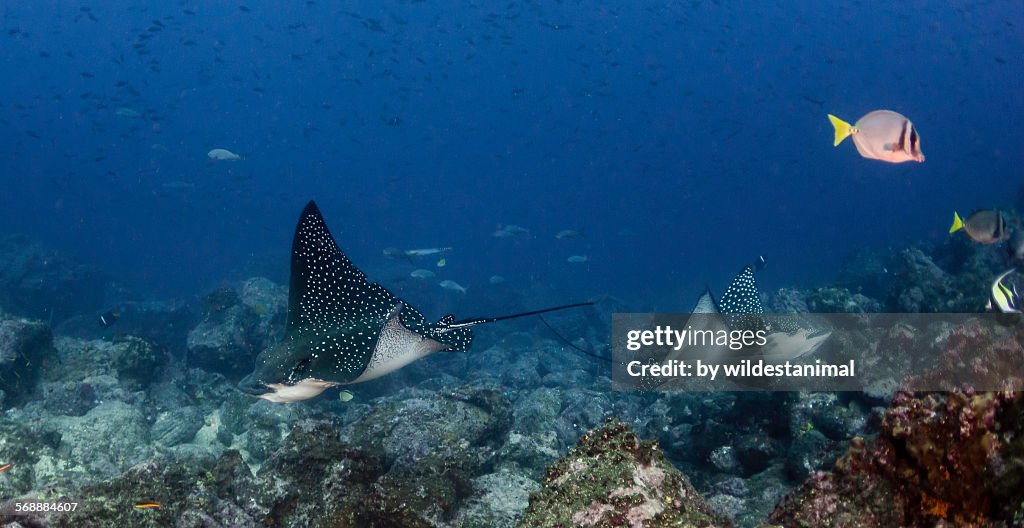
[250,385]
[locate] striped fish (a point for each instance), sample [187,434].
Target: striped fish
[1004,299]
[882,135]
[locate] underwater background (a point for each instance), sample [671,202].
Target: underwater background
[646,150]
[682,137]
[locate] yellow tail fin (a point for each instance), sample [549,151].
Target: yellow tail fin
[958,223]
[843,129]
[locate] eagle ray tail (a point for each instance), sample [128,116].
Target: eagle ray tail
[464,323]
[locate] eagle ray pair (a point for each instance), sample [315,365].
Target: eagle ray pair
[343,329]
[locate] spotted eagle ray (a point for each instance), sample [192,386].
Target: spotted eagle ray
[343,329]
[787,337]
[740,309]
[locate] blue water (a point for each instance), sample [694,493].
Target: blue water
[683,138]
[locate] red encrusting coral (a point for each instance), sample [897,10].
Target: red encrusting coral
[941,459]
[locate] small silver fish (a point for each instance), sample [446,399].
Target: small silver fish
[882,135]
[452,285]
[496,279]
[394,253]
[219,154]
[511,230]
[426,251]
[422,274]
[130,113]
[568,233]
[578,259]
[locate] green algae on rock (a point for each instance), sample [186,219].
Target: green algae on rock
[612,478]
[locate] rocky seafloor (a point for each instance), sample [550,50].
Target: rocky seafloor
[147,411]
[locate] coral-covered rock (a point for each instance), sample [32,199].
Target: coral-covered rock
[950,459]
[755,452]
[237,326]
[188,495]
[612,478]
[788,300]
[269,301]
[433,446]
[24,346]
[313,478]
[107,440]
[820,426]
[136,359]
[68,397]
[840,300]
[115,369]
[954,278]
[177,426]
[923,285]
[226,342]
[498,500]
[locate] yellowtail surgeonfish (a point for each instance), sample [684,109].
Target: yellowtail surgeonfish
[1004,299]
[985,226]
[882,135]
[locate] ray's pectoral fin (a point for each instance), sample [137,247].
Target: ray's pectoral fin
[397,346]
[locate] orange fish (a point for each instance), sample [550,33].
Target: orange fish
[148,505]
[5,467]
